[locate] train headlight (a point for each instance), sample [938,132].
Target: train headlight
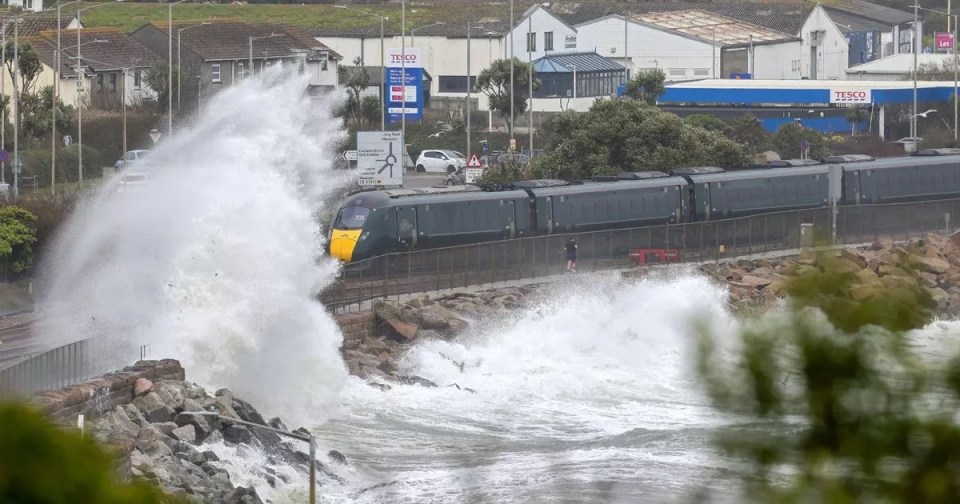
[364,235]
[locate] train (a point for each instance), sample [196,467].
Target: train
[374,223]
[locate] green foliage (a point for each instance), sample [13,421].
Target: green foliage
[29,66]
[707,122]
[355,79]
[157,78]
[502,173]
[51,210]
[856,114]
[630,135]
[494,82]
[835,406]
[787,142]
[646,86]
[37,114]
[43,464]
[17,237]
[747,130]
[36,162]
[371,112]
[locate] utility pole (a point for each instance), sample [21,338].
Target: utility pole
[16,121]
[512,141]
[469,106]
[915,44]
[403,84]
[530,89]
[3,91]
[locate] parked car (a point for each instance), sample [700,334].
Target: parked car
[439,161]
[132,157]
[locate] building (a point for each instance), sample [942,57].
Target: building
[577,75]
[892,28]
[376,76]
[897,67]
[215,54]
[29,5]
[114,62]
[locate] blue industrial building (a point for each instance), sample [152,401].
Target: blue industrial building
[826,100]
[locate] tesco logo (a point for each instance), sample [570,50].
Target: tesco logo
[409,57]
[398,57]
[850,96]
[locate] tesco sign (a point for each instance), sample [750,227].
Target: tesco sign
[396,57]
[850,96]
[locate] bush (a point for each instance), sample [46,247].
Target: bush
[787,142]
[44,464]
[51,212]
[36,162]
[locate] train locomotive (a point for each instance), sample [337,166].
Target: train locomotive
[374,223]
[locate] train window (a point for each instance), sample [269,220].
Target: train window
[352,218]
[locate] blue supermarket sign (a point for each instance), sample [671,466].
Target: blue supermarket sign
[404,85]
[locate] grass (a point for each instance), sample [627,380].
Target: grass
[129,17]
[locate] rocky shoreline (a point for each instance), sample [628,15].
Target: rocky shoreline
[160,441]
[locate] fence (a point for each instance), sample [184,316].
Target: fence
[427,270]
[53,369]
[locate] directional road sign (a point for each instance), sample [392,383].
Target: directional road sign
[379,160]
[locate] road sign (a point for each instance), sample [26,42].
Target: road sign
[155,135]
[474,162]
[379,158]
[474,169]
[405,85]
[350,155]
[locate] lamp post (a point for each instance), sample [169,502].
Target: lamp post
[403,84]
[383,66]
[179,66]
[915,44]
[250,47]
[170,65]
[470,28]
[311,440]
[80,76]
[530,83]
[956,66]
[56,100]
[414,30]
[512,141]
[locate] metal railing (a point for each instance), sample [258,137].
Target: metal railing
[394,275]
[527,258]
[57,368]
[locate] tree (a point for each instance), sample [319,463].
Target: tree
[29,66]
[847,411]
[17,237]
[707,122]
[45,464]
[788,138]
[630,135]
[157,79]
[647,85]
[37,114]
[370,110]
[494,82]
[356,80]
[856,115]
[748,131]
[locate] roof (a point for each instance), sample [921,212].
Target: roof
[579,61]
[118,50]
[900,63]
[36,23]
[714,28]
[764,172]
[849,23]
[230,40]
[798,92]
[785,16]
[867,10]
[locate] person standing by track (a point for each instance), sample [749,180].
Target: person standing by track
[571,250]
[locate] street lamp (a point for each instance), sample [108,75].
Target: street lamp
[250,55]
[414,30]
[470,28]
[170,65]
[311,439]
[179,32]
[56,99]
[956,64]
[383,65]
[80,77]
[914,46]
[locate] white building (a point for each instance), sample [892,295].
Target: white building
[30,5]
[897,67]
[825,52]
[540,32]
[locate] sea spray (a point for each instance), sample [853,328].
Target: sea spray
[217,258]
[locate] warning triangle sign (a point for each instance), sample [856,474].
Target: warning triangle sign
[474,162]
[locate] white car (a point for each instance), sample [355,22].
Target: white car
[132,157]
[439,161]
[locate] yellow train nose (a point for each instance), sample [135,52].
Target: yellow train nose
[342,243]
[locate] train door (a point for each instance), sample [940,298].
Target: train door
[407,227]
[508,218]
[548,214]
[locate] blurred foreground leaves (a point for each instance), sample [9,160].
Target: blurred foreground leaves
[41,463]
[832,402]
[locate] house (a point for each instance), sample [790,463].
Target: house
[892,28]
[214,54]
[28,5]
[443,48]
[114,62]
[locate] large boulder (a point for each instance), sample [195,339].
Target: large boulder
[187,433]
[402,331]
[237,434]
[151,441]
[142,387]
[934,265]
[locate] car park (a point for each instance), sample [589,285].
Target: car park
[439,161]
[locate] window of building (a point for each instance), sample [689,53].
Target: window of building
[241,70]
[215,75]
[455,83]
[113,82]
[100,82]
[137,79]
[532,42]
[547,41]
[677,72]
[701,72]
